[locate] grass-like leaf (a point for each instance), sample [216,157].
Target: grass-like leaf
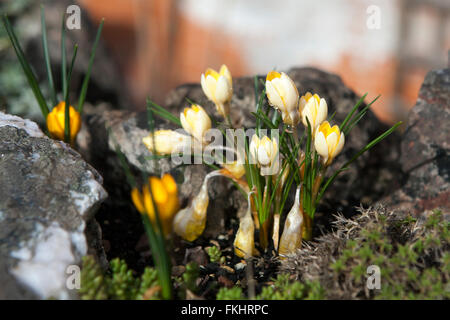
[32,81]
[47,58]
[66,98]
[163,113]
[348,117]
[354,121]
[63,57]
[85,85]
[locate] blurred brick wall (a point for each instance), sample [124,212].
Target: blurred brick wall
[160,44]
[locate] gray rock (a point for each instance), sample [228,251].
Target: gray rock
[48,194]
[425,147]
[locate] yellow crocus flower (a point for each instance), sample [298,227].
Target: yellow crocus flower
[283,95]
[56,123]
[165,196]
[167,142]
[314,108]
[195,121]
[329,141]
[218,87]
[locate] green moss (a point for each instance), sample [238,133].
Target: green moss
[282,289]
[191,275]
[412,254]
[234,293]
[118,283]
[215,255]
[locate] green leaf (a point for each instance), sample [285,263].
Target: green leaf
[26,67]
[47,58]
[88,73]
[343,124]
[358,117]
[66,98]
[163,113]
[63,57]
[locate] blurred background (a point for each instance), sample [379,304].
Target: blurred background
[376,46]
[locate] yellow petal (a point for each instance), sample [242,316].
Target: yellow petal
[136,197]
[272,75]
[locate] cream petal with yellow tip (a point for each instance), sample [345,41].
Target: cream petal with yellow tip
[218,88]
[329,141]
[190,222]
[195,121]
[167,142]
[313,108]
[223,90]
[244,243]
[283,95]
[291,238]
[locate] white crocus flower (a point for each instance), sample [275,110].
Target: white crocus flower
[291,239]
[329,141]
[218,87]
[283,95]
[195,121]
[244,243]
[265,153]
[167,142]
[190,222]
[314,108]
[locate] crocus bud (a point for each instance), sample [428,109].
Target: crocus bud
[236,169]
[190,222]
[291,239]
[165,196]
[329,141]
[167,142]
[56,122]
[218,87]
[283,95]
[195,121]
[265,152]
[244,243]
[314,108]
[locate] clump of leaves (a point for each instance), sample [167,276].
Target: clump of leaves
[191,275]
[233,293]
[282,288]
[412,255]
[118,283]
[215,255]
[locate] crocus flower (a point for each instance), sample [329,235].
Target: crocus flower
[291,239]
[244,243]
[195,121]
[56,122]
[190,222]
[165,196]
[329,141]
[236,169]
[265,152]
[314,108]
[283,95]
[167,142]
[218,87]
